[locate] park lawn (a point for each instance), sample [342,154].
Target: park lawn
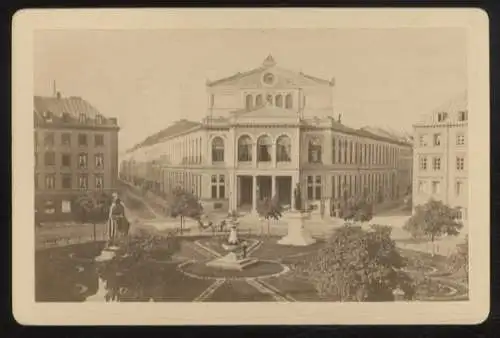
[67,234]
[270,250]
[299,288]
[238,291]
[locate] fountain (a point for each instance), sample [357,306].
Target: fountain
[236,258]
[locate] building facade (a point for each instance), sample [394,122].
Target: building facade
[266,131]
[440,162]
[76,151]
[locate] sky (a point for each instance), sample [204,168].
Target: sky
[150,78]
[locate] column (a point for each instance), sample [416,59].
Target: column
[293,182]
[273,186]
[232,192]
[254,193]
[238,190]
[273,155]
[254,154]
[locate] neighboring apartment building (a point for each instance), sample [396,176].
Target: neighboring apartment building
[440,162]
[76,151]
[261,137]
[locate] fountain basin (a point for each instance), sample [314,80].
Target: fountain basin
[232,262]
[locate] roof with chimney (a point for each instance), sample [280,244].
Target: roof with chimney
[285,76]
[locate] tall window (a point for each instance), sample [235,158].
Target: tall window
[288,101]
[279,100]
[258,100]
[462,116]
[334,153]
[82,161]
[48,139]
[442,116]
[245,149]
[50,181]
[82,118]
[436,163]
[66,139]
[283,149]
[458,187]
[249,102]
[460,163]
[422,185]
[437,139]
[436,185]
[83,182]
[423,163]
[82,139]
[50,158]
[99,181]
[66,160]
[264,145]
[218,186]
[314,151]
[99,161]
[217,149]
[66,181]
[98,119]
[99,140]
[314,187]
[460,139]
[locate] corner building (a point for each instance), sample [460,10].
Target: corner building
[265,131]
[441,156]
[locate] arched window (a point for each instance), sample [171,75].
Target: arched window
[264,145]
[314,150]
[258,100]
[218,150]
[283,149]
[288,101]
[245,149]
[249,102]
[279,100]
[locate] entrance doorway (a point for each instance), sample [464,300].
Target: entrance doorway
[284,189]
[245,189]
[264,186]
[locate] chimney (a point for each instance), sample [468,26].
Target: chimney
[58,95]
[340,118]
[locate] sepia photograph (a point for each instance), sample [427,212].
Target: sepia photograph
[252,165]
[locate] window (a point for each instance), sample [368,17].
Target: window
[458,187]
[288,101]
[264,145]
[422,186]
[66,160]
[66,181]
[423,163]
[279,100]
[460,163]
[217,149]
[48,139]
[442,116]
[314,151]
[83,182]
[66,139]
[436,187]
[245,149]
[82,118]
[462,116]
[82,139]
[436,163]
[460,139]
[47,116]
[98,119]
[313,187]
[437,139]
[249,102]
[218,186]
[49,207]
[99,161]
[283,149]
[82,161]
[99,140]
[99,182]
[66,207]
[65,117]
[50,181]
[50,158]
[258,100]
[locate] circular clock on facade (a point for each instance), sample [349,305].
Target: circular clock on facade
[268,78]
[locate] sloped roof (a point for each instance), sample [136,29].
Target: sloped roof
[267,64]
[174,129]
[455,104]
[74,106]
[389,133]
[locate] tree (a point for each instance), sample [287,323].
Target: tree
[185,204]
[92,208]
[269,208]
[460,258]
[433,220]
[357,210]
[360,265]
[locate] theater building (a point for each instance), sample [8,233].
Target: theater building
[76,152]
[267,130]
[441,156]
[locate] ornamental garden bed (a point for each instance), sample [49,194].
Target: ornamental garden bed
[238,291]
[261,268]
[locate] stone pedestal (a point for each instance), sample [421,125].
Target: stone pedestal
[232,262]
[297,235]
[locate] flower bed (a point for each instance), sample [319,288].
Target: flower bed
[261,268]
